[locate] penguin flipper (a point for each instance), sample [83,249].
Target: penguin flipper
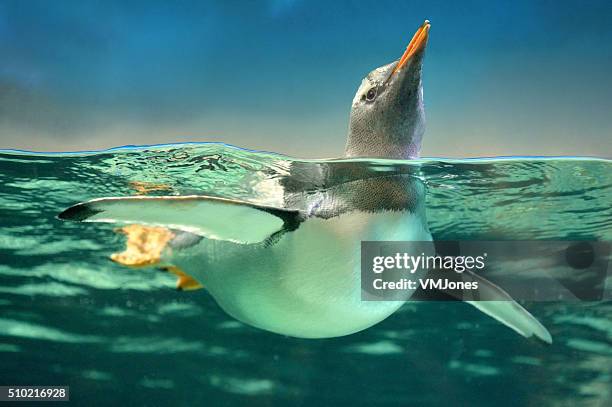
[210,217]
[500,306]
[491,300]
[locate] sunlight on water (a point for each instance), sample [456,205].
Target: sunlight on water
[70,316]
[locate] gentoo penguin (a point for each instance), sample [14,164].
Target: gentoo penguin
[294,268]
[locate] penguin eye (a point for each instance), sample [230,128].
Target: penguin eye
[371,95]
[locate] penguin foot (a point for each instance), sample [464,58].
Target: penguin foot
[143,188]
[185,282]
[144,245]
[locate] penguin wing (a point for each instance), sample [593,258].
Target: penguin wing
[499,305]
[491,300]
[210,217]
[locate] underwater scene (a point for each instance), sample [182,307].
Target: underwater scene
[70,316]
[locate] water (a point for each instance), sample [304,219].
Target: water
[69,316]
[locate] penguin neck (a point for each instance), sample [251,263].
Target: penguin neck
[395,134]
[389,150]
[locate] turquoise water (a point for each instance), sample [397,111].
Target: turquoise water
[70,316]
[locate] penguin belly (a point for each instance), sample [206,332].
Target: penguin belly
[307,284]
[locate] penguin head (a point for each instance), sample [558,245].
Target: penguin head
[387,115]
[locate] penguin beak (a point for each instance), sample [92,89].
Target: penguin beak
[418,42]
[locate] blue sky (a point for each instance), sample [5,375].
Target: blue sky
[501,78]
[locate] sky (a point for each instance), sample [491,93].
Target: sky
[500,77]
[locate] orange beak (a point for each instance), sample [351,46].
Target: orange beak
[418,41]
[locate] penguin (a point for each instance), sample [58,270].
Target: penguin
[293,267]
